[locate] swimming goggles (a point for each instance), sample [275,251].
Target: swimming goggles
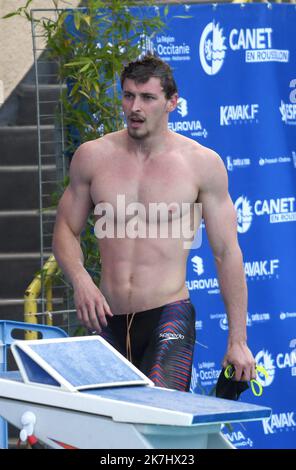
[256,386]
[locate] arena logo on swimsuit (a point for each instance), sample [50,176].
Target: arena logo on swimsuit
[256,42]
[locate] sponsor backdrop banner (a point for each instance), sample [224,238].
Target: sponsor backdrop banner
[235,66]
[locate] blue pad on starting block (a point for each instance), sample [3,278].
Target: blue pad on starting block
[73,364]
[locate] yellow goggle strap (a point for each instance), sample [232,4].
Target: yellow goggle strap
[230,371]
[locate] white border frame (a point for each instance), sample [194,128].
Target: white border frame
[25,346]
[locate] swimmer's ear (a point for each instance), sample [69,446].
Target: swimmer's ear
[172,103]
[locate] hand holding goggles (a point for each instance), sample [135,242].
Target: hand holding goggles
[256,386]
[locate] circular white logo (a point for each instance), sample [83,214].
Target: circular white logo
[212,48]
[224,323]
[264,359]
[244,214]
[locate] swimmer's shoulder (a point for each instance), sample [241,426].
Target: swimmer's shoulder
[94,153]
[197,154]
[100,146]
[204,163]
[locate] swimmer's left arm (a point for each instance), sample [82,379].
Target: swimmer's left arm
[221,225]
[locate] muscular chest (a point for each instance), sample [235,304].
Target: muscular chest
[144,184]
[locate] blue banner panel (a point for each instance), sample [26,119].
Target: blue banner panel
[235,66]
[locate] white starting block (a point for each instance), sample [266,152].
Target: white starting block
[81,393]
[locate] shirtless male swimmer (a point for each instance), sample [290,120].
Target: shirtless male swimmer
[142,305]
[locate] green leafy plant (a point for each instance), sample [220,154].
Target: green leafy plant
[91,44]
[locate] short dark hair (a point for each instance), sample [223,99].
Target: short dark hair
[141,70]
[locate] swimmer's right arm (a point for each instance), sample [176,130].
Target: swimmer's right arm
[73,210]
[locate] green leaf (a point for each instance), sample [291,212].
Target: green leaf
[96,86]
[81,61]
[77,19]
[9,15]
[84,94]
[87,19]
[183,17]
[28,15]
[85,67]
[93,100]
[28,3]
